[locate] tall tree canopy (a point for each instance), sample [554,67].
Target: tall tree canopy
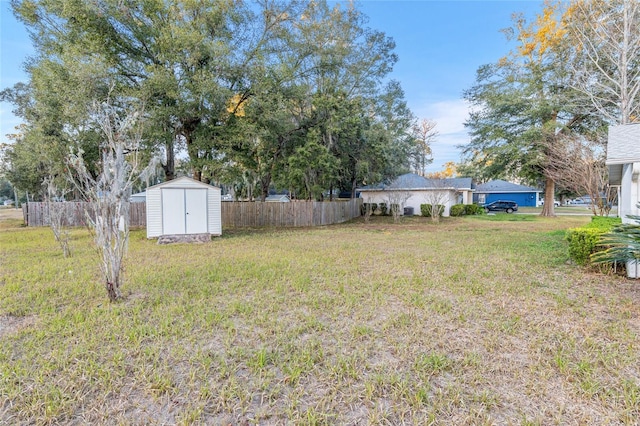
[240,88]
[525,105]
[605,62]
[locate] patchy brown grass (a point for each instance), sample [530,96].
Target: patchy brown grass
[469,321]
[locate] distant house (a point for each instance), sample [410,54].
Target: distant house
[412,190]
[495,190]
[139,197]
[623,159]
[278,198]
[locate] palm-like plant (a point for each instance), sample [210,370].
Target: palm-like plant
[622,244]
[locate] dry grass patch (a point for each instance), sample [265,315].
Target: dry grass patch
[470,321]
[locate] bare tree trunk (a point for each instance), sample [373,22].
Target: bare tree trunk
[354,187]
[368,211]
[265,182]
[109,193]
[548,209]
[55,216]
[170,166]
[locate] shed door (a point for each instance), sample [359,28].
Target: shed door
[196,211]
[184,211]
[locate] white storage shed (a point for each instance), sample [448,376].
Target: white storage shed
[183,206]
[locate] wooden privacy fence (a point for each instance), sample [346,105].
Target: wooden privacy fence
[235,214]
[73,213]
[240,214]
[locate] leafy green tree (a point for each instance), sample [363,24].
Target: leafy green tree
[25,167]
[6,189]
[55,121]
[175,58]
[311,168]
[524,106]
[239,87]
[319,83]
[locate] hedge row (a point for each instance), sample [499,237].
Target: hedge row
[583,241]
[465,210]
[425,209]
[455,210]
[379,208]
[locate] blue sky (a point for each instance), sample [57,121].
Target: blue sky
[440,45]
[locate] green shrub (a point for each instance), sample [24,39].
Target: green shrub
[425,209]
[383,208]
[457,210]
[473,209]
[604,222]
[620,245]
[364,206]
[584,241]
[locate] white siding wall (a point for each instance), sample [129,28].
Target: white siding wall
[630,191]
[445,197]
[154,213]
[215,211]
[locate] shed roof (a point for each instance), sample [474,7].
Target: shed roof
[623,147]
[179,180]
[412,181]
[499,186]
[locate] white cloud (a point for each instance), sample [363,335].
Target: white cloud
[449,116]
[8,121]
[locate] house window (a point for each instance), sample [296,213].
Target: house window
[482,198]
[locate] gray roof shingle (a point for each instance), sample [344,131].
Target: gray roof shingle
[623,147]
[499,185]
[412,181]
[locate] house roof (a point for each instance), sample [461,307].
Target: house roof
[139,195]
[278,197]
[412,181]
[500,186]
[623,147]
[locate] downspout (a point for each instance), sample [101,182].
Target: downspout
[632,265]
[634,179]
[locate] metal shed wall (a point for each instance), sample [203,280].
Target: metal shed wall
[155,213]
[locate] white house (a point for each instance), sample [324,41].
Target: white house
[139,197]
[278,198]
[183,206]
[623,159]
[411,190]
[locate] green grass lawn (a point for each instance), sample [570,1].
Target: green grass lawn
[469,321]
[562,210]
